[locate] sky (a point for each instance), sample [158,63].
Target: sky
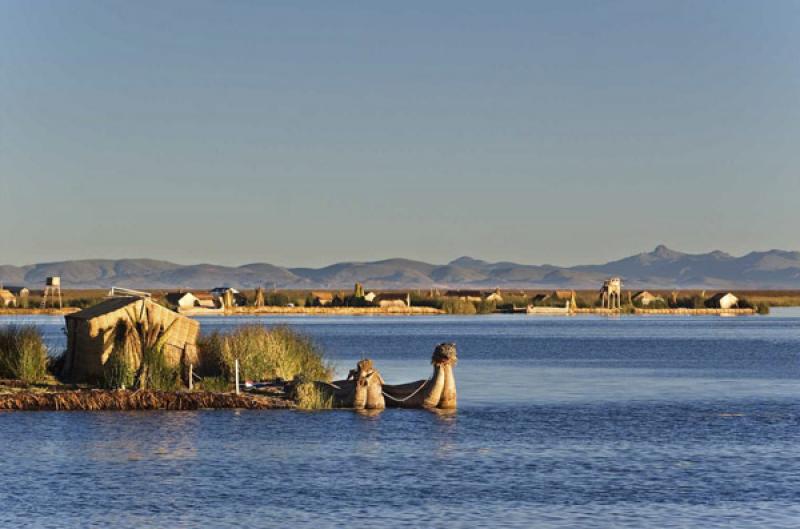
[305,133]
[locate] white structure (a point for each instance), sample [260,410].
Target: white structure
[183,300]
[724,300]
[611,293]
[495,296]
[52,291]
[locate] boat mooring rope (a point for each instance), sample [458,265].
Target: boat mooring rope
[406,398]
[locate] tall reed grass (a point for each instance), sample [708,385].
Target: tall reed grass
[263,354]
[23,355]
[138,359]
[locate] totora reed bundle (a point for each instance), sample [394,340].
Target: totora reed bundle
[122,400]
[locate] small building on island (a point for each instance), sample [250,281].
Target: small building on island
[182,300]
[322,299]
[562,297]
[645,298]
[465,295]
[91,335]
[393,299]
[370,296]
[190,300]
[722,300]
[7,299]
[495,296]
[20,292]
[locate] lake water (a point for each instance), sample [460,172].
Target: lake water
[562,422]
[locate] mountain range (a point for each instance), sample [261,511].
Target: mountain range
[661,268]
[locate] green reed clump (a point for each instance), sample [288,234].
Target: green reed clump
[312,396]
[23,355]
[486,307]
[118,373]
[459,306]
[263,354]
[214,384]
[138,358]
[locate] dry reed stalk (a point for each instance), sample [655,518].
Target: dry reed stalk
[125,400]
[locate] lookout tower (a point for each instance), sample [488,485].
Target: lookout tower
[52,290]
[611,293]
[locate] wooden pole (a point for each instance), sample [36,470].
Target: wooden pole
[236,362]
[191,374]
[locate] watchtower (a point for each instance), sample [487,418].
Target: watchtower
[611,293]
[52,290]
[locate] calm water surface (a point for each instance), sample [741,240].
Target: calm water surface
[562,422]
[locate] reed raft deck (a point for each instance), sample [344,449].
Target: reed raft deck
[34,311]
[127,400]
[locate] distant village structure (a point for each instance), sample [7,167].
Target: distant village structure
[20,292]
[370,296]
[322,299]
[495,296]
[611,293]
[52,291]
[7,298]
[389,299]
[645,298]
[465,295]
[723,300]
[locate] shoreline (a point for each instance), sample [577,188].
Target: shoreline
[27,399]
[397,311]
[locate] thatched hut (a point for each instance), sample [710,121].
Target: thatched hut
[393,299]
[7,299]
[91,333]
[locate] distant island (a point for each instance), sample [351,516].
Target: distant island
[662,268]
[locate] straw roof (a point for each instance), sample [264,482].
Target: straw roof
[7,298]
[106,314]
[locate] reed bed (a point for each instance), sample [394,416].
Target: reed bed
[263,354]
[125,400]
[312,396]
[23,355]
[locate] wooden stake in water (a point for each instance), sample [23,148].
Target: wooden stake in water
[236,362]
[191,374]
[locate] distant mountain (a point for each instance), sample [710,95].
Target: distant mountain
[661,268]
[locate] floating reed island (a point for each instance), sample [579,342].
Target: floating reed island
[130,353]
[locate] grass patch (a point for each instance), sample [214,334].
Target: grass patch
[459,306]
[310,396]
[23,355]
[138,358]
[263,354]
[214,384]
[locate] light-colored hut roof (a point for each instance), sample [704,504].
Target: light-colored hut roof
[6,295]
[718,296]
[392,296]
[324,296]
[563,294]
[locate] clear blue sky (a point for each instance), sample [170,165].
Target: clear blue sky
[302,133]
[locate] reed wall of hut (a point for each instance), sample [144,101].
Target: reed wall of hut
[90,335]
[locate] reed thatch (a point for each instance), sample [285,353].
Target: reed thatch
[92,332]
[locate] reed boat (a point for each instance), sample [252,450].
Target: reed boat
[364,387]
